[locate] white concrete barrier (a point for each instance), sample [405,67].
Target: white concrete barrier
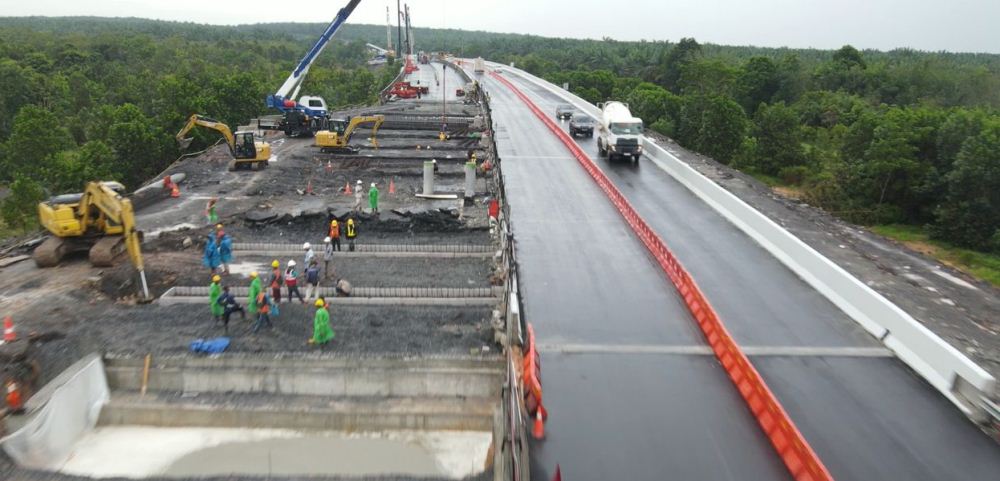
[947,369]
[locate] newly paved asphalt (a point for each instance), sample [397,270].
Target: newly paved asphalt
[626,399]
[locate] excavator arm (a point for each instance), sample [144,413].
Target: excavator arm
[375,120]
[197,120]
[103,207]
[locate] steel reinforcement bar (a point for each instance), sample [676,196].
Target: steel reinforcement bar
[798,456]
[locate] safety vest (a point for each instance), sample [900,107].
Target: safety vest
[262,304]
[351,233]
[291,280]
[335,231]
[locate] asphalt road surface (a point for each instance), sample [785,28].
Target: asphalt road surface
[625,403]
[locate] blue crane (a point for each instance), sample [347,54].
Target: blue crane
[308,114]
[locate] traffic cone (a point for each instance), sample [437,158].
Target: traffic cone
[392,186]
[329,166]
[8,330]
[309,187]
[347,189]
[539,430]
[558,475]
[175,192]
[14,396]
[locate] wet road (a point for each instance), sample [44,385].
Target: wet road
[867,417]
[587,281]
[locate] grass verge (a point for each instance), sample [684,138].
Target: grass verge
[977,264]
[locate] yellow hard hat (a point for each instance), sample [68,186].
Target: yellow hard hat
[320,303]
[216,278]
[333,222]
[350,221]
[218,226]
[253,274]
[275,263]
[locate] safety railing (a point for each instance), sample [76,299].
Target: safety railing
[513,447]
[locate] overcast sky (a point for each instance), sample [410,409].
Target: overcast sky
[954,25]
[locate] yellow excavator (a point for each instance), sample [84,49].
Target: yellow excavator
[99,220]
[246,151]
[339,136]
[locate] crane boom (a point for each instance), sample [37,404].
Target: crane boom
[284,98]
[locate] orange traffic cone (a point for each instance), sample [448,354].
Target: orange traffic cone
[558,475]
[539,430]
[392,186]
[8,330]
[347,189]
[309,187]
[175,192]
[329,166]
[14,397]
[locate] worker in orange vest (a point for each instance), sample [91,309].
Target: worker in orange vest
[335,234]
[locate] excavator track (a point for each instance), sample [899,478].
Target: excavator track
[50,252]
[104,251]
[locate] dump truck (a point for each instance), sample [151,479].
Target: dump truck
[619,133]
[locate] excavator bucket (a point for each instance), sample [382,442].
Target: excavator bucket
[185,143]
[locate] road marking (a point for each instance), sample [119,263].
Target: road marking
[700,350]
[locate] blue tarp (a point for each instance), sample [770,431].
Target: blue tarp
[210,346]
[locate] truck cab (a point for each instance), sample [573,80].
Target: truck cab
[620,134]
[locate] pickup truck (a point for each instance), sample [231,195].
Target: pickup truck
[581,124]
[564,111]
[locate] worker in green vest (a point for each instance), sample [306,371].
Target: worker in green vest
[214,292]
[255,289]
[322,332]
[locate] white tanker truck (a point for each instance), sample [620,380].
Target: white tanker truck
[620,134]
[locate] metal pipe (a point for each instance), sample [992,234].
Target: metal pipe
[429,177]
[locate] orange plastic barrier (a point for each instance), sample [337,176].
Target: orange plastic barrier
[801,461]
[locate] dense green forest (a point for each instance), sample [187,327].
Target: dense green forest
[898,137]
[86,99]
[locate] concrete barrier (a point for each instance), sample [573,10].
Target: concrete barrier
[313,376]
[950,372]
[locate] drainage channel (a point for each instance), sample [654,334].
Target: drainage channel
[293,415]
[414,296]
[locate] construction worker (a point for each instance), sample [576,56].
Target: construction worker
[210,214]
[352,233]
[214,293]
[275,281]
[255,288]
[327,257]
[263,312]
[373,198]
[292,282]
[335,234]
[357,196]
[343,288]
[225,251]
[219,233]
[229,306]
[312,280]
[310,254]
[211,258]
[322,332]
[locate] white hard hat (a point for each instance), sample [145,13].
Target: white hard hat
[373,184]
[359,181]
[291,263]
[326,240]
[306,246]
